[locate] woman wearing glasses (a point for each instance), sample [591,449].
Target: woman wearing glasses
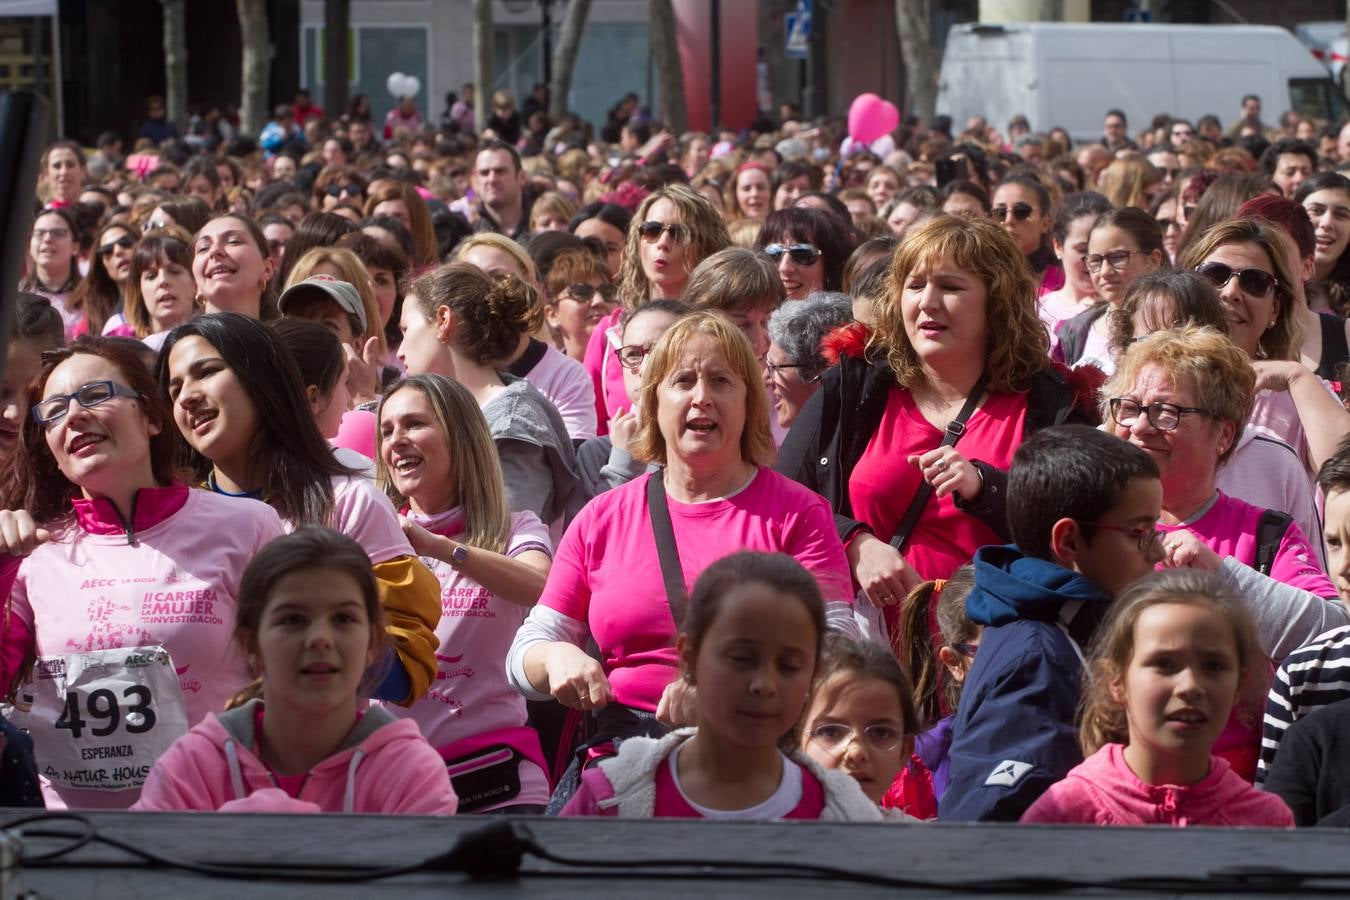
[1247,262]
[339,185]
[577,296]
[1182,396]
[1022,205]
[1123,244]
[53,268]
[956,338]
[673,230]
[100,296]
[795,363]
[94,481]
[809,247]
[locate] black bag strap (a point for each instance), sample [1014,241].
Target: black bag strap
[955,429]
[666,551]
[1270,531]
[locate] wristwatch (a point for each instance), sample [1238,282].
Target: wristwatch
[458,555]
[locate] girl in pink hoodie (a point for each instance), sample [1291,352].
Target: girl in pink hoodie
[1177,653]
[309,623]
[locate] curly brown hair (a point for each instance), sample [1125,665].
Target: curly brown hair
[708,234]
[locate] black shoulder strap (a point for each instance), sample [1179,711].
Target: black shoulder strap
[1270,531]
[955,429]
[666,550]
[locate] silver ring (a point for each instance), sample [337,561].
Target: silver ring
[940,465]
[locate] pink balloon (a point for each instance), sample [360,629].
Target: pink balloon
[870,117]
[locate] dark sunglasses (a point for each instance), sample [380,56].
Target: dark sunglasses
[126,241]
[651,231]
[1021,212]
[584,293]
[1254,282]
[337,190]
[801,254]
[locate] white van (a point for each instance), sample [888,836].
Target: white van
[1069,74]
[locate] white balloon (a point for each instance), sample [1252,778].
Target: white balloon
[395,83]
[411,85]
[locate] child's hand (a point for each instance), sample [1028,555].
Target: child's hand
[19,534]
[623,428]
[678,706]
[576,680]
[881,571]
[949,472]
[1183,550]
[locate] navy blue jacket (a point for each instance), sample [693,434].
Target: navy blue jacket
[1015,733]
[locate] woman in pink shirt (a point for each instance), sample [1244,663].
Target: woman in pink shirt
[111,561]
[704,414]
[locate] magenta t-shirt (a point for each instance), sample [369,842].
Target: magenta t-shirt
[607,573]
[1229,529]
[883,481]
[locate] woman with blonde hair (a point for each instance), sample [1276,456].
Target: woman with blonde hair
[673,230]
[957,340]
[401,201]
[1129,182]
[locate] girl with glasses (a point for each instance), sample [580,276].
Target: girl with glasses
[53,268]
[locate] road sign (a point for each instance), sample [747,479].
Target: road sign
[798,40]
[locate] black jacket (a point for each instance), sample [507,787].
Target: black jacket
[833,429]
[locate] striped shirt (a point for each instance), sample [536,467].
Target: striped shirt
[1313,676]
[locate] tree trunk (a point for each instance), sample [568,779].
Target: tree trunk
[666,55]
[337,16]
[175,62]
[912,19]
[483,58]
[565,56]
[256,67]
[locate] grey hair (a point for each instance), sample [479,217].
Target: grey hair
[798,327]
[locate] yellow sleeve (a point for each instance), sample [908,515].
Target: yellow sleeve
[411,597]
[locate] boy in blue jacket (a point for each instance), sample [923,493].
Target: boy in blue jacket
[1083,508]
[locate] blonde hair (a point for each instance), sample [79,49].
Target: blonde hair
[745,232]
[555,203]
[353,272]
[1204,360]
[1102,718]
[732,277]
[1125,182]
[707,235]
[475,469]
[757,445]
[535,321]
[1018,347]
[1284,339]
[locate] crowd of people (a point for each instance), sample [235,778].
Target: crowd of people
[969,475]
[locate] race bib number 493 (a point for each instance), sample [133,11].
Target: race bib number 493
[99,720]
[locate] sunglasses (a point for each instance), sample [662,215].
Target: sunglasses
[126,242]
[1253,282]
[95,393]
[1021,212]
[651,231]
[337,190]
[584,293]
[800,254]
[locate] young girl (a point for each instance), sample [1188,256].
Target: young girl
[310,625]
[750,644]
[861,718]
[1177,653]
[161,294]
[439,466]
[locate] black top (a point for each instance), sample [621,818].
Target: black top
[1311,771]
[1335,350]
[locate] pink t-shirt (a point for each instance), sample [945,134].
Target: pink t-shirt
[1229,529]
[366,516]
[606,373]
[671,802]
[944,538]
[567,385]
[608,575]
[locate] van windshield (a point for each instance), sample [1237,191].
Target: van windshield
[1316,98]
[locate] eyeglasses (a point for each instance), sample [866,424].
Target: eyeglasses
[1116,259]
[774,368]
[1144,535]
[337,190]
[631,355]
[56,234]
[585,293]
[1253,282]
[1021,212]
[800,254]
[126,242]
[1162,416]
[836,737]
[95,393]
[651,231]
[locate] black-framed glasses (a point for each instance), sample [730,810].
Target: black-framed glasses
[585,293]
[126,242]
[337,190]
[836,737]
[95,393]
[1253,282]
[1021,212]
[1144,535]
[651,231]
[1162,416]
[56,234]
[631,355]
[800,254]
[1116,259]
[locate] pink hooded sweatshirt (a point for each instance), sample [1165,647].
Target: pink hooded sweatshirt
[384,766]
[1105,791]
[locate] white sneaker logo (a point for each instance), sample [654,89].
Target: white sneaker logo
[1008,773]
